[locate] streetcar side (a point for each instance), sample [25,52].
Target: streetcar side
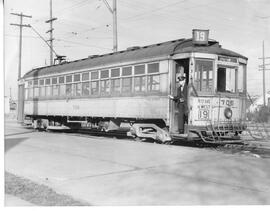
[140,89]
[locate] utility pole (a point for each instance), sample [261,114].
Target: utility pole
[114,13]
[21,25]
[51,33]
[20,108]
[263,69]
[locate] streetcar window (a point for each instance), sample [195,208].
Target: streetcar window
[78,89]
[94,75]
[104,87]
[30,83]
[153,83]
[36,92]
[68,78]
[48,81]
[115,72]
[30,93]
[68,89]
[42,91]
[139,84]
[85,89]
[115,86]
[203,79]
[55,90]
[126,85]
[77,77]
[41,82]
[126,71]
[26,94]
[62,90]
[85,76]
[54,80]
[226,79]
[139,69]
[104,74]
[153,68]
[94,87]
[240,78]
[48,90]
[61,80]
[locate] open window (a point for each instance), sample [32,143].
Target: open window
[226,79]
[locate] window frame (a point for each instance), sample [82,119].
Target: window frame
[211,91]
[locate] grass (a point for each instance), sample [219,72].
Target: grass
[37,194]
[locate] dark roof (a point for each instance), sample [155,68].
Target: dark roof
[133,54]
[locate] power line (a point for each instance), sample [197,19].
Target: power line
[83,44]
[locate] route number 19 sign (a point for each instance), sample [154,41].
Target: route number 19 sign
[200,36]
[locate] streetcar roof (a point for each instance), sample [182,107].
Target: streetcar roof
[133,54]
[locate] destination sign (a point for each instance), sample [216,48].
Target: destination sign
[200,36]
[227,59]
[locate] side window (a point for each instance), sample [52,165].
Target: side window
[140,78]
[48,89]
[94,84]
[55,87]
[85,84]
[140,84]
[85,88]
[153,83]
[240,78]
[127,85]
[94,87]
[62,86]
[69,85]
[36,89]
[115,89]
[104,87]
[68,89]
[115,81]
[41,88]
[78,89]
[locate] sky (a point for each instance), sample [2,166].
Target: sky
[84,27]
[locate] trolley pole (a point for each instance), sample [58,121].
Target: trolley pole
[51,33]
[20,92]
[114,13]
[263,70]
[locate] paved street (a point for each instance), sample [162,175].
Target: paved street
[107,171]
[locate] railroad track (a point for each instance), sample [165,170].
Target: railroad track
[255,148]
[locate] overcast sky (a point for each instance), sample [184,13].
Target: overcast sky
[84,27]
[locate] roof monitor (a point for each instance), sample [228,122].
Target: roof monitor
[200,36]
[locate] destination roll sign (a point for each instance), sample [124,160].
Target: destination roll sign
[200,36]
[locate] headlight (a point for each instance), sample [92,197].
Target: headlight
[228,113]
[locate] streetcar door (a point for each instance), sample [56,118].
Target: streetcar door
[179,104]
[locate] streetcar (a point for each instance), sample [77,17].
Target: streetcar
[185,89]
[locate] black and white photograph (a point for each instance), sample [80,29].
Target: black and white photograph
[112,103]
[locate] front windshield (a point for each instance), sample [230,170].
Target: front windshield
[203,79]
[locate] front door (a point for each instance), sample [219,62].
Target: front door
[179,81]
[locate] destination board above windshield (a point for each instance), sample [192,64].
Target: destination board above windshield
[200,36]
